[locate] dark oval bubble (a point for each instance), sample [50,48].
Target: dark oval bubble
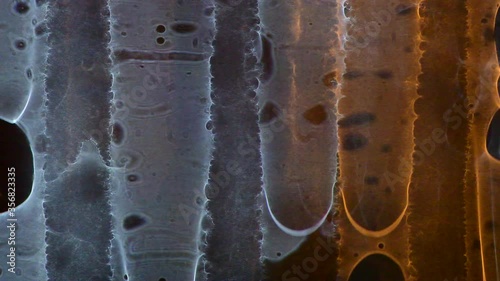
[21,8]
[118,133]
[493,137]
[20,44]
[379,266]
[160,28]
[316,114]
[184,27]
[29,73]
[41,29]
[133,222]
[268,113]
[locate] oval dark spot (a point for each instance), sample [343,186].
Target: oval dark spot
[330,79]
[20,44]
[379,267]
[350,75]
[404,9]
[371,180]
[195,43]
[356,119]
[125,277]
[162,279]
[354,141]
[21,8]
[160,40]
[381,245]
[268,113]
[490,225]
[29,74]
[267,59]
[386,148]
[132,222]
[117,133]
[132,178]
[493,137]
[183,27]
[40,29]
[489,34]
[160,28]
[316,115]
[484,20]
[384,74]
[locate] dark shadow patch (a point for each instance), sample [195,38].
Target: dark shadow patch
[316,114]
[353,141]
[268,113]
[350,75]
[356,119]
[384,74]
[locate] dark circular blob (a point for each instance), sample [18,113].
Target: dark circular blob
[125,277]
[21,8]
[183,27]
[353,141]
[268,113]
[29,74]
[381,245]
[371,180]
[132,222]
[316,115]
[493,137]
[132,178]
[41,29]
[20,44]
[16,162]
[162,279]
[1,271]
[117,133]
[386,148]
[160,40]
[377,267]
[160,28]
[357,119]
[490,225]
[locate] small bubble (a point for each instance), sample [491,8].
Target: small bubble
[29,74]
[132,178]
[160,40]
[20,44]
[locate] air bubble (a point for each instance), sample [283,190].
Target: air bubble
[20,44]
[117,133]
[269,113]
[316,115]
[133,222]
[160,28]
[21,8]
[184,27]
[160,40]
